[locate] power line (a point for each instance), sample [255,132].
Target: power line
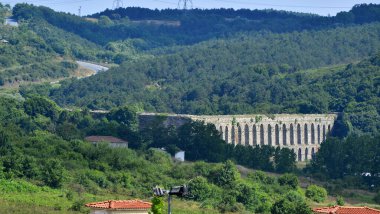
[166,2]
[117,4]
[185,4]
[280,5]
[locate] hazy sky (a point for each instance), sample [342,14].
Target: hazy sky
[322,7]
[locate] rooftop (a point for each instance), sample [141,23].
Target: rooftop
[121,205]
[346,210]
[109,139]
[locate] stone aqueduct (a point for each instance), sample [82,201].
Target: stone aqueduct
[301,133]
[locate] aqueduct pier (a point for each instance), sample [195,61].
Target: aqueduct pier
[302,133]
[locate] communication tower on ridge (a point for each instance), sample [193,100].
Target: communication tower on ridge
[80,11]
[185,4]
[117,4]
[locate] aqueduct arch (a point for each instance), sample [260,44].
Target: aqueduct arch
[303,133]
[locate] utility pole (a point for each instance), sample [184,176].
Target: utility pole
[80,11]
[185,4]
[117,4]
[179,191]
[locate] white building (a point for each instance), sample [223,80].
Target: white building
[180,156]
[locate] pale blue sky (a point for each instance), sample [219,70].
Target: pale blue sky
[322,7]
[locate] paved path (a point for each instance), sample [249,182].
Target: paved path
[94,67]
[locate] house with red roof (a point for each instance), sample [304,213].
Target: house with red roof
[346,210]
[120,207]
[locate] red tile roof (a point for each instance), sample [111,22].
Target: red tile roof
[109,139]
[346,210]
[121,205]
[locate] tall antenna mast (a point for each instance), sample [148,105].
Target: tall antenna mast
[117,4]
[80,11]
[185,4]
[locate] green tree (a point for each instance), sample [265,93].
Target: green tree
[105,21]
[291,203]
[377,198]
[340,200]
[200,189]
[253,198]
[285,160]
[125,115]
[316,193]
[157,205]
[5,144]
[196,138]
[36,105]
[290,180]
[53,173]
[228,175]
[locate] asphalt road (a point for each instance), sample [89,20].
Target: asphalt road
[94,67]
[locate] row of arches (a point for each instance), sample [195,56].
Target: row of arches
[277,135]
[305,154]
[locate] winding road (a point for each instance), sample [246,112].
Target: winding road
[91,66]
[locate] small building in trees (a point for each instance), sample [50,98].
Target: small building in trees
[180,156]
[114,142]
[346,210]
[120,207]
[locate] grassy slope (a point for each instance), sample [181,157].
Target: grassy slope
[22,197]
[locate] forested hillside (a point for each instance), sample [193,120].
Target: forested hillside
[113,37]
[26,57]
[4,10]
[195,25]
[257,74]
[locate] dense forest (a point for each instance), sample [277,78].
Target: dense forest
[192,82]
[195,25]
[112,37]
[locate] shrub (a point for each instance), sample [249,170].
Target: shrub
[261,177]
[78,206]
[254,198]
[291,203]
[288,180]
[199,188]
[157,205]
[53,173]
[316,193]
[377,198]
[340,201]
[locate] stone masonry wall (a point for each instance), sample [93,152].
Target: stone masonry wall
[302,133]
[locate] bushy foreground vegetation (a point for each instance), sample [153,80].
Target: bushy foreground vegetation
[41,143]
[354,159]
